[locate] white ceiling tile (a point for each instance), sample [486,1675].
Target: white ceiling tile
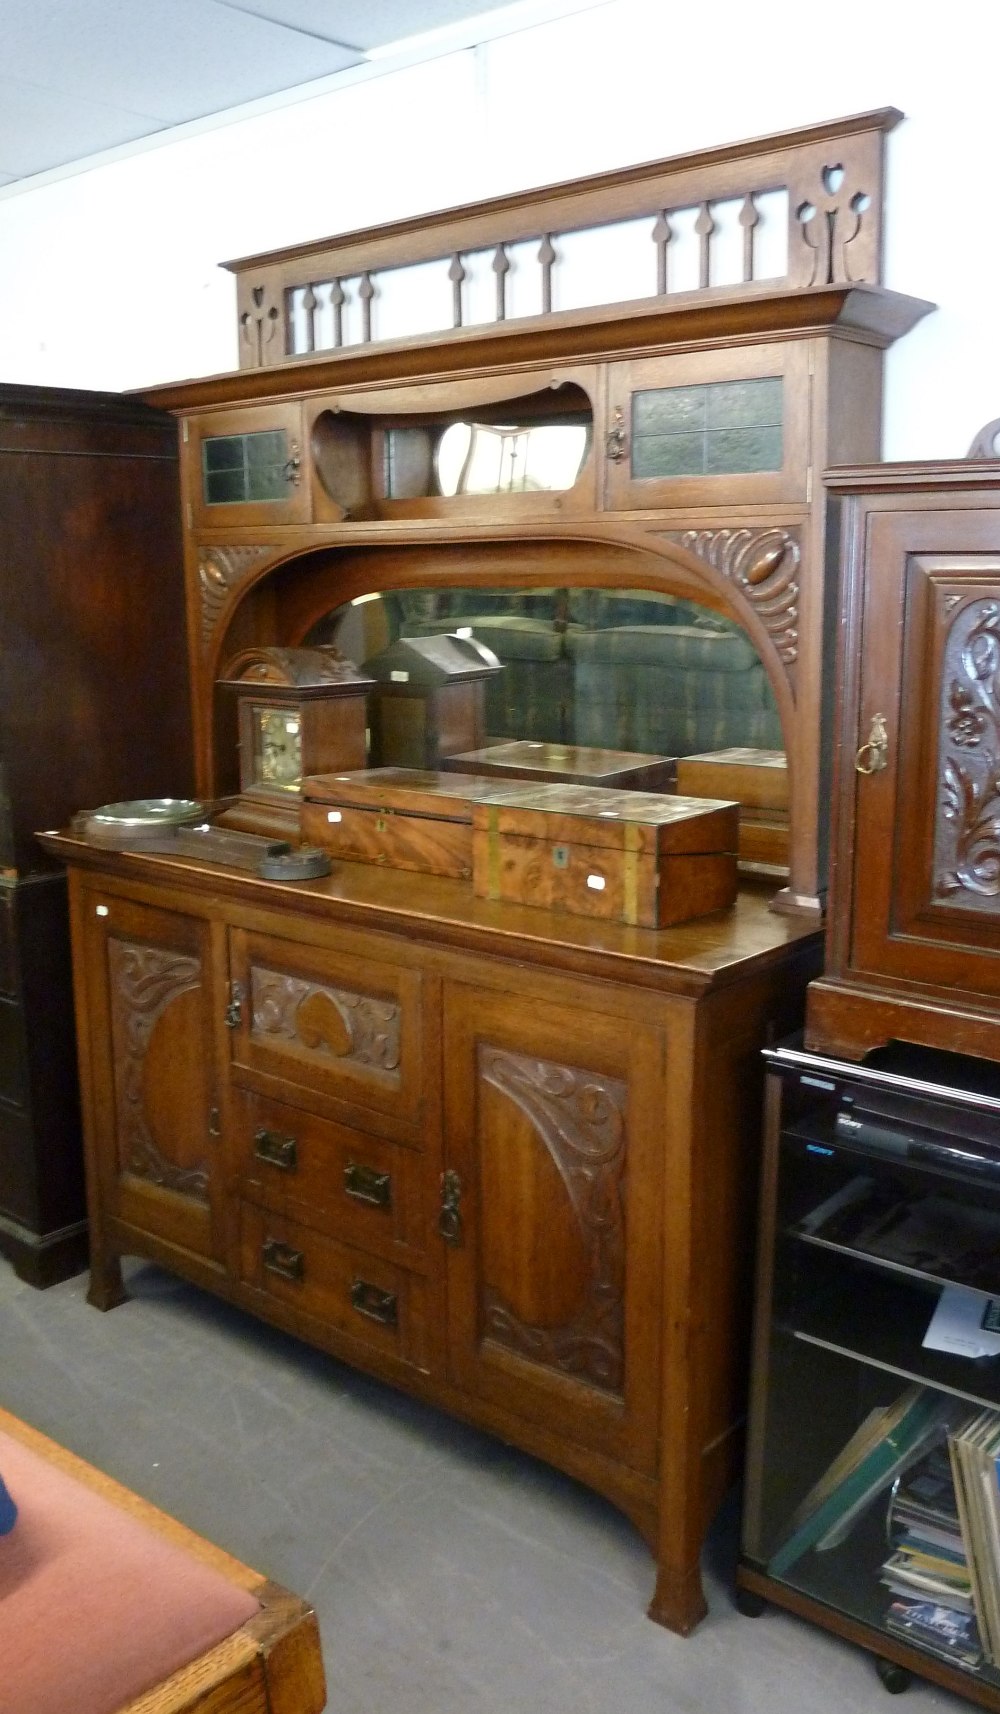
[42,128]
[370,25]
[173,59]
[332,20]
[81,76]
[383,21]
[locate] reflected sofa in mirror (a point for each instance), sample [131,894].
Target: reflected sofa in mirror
[617,669]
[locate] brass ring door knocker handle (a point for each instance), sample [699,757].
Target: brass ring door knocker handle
[873,756]
[616,442]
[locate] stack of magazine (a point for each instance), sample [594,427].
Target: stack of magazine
[928,1569]
[939,1463]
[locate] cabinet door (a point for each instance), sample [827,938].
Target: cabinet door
[715,428]
[923,749]
[551,1201]
[148,973]
[246,467]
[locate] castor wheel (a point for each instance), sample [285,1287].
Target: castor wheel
[749,1603]
[894,1678]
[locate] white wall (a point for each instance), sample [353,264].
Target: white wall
[109,277]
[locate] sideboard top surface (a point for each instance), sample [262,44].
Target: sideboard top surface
[706,952]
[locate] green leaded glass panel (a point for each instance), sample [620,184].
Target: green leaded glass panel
[721,428]
[241,467]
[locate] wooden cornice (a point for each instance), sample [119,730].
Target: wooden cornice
[729,316]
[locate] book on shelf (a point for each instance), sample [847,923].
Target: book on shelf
[975,1461]
[942,1631]
[887,1442]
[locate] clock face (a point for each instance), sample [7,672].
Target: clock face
[277,748]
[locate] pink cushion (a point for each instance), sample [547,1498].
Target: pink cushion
[95,1607]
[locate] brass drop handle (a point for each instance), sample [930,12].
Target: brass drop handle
[449,1217]
[874,756]
[277,1148]
[281,1259]
[616,444]
[366,1185]
[292,471]
[371,1301]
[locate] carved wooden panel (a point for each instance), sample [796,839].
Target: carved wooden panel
[967,827]
[333,1023]
[552,1164]
[220,571]
[156,1029]
[763,567]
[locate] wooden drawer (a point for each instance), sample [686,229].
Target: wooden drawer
[346,1289]
[343,1182]
[347,1027]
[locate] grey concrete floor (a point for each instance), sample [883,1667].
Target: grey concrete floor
[448,1571]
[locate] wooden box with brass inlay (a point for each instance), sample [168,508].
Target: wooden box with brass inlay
[568,764]
[758,780]
[404,818]
[631,857]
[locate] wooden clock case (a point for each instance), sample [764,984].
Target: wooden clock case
[327,696]
[502,1157]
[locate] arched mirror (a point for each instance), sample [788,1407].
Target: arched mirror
[595,682]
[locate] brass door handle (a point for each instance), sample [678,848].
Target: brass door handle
[449,1216]
[616,444]
[292,469]
[873,756]
[234,1010]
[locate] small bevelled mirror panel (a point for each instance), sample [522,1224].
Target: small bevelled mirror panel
[479,458]
[719,428]
[241,467]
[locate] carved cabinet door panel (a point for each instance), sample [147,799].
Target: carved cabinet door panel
[924,738]
[353,1029]
[550,1213]
[156,1104]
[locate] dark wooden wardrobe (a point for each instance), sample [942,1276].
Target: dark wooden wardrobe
[93,707]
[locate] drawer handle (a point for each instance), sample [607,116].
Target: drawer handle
[367,1185]
[376,1304]
[449,1216]
[277,1148]
[282,1259]
[874,756]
